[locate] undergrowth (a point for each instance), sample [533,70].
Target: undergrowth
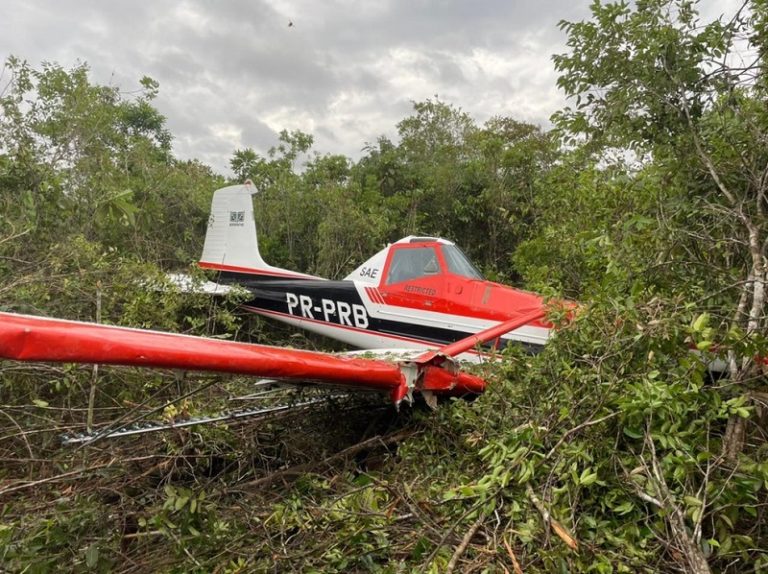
[602,454]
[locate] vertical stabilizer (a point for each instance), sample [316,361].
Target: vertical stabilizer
[231,243]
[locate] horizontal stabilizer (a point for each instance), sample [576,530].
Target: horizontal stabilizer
[187,284]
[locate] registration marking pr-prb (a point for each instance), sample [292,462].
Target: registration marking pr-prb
[351,315]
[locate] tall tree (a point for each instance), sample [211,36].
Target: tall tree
[688,95]
[651,82]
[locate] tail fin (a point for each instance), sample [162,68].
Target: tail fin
[231,243]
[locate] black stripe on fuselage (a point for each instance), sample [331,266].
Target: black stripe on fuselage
[336,303]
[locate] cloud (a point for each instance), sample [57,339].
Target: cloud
[233,74]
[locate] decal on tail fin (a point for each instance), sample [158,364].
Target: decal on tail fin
[231,243]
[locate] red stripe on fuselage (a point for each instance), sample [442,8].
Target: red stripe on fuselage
[374,295]
[249,271]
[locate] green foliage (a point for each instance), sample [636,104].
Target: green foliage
[656,80]
[77,159]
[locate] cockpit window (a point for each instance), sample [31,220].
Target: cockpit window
[412,264]
[459,264]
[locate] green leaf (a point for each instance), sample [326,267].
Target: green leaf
[696,514]
[587,477]
[180,502]
[704,345]
[700,323]
[692,501]
[92,556]
[624,508]
[40,403]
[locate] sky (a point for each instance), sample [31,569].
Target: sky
[234,73]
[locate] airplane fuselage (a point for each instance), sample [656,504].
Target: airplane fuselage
[406,316]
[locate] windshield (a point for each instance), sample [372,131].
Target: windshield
[412,263]
[458,264]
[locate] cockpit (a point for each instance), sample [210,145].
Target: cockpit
[428,260]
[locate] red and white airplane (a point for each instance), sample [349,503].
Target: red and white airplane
[417,293]
[420,294]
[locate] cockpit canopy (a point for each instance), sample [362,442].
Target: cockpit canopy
[459,264]
[423,260]
[414,257]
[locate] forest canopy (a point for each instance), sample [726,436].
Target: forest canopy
[614,450]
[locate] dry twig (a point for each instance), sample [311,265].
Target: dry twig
[515,563]
[462,547]
[559,529]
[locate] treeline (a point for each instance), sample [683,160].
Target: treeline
[447,176]
[612,451]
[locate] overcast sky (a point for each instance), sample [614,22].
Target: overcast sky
[233,73]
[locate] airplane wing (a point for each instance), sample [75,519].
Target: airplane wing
[432,373]
[30,338]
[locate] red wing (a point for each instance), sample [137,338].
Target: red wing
[27,338]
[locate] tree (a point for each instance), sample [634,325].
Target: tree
[450,177]
[685,100]
[509,161]
[88,175]
[658,82]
